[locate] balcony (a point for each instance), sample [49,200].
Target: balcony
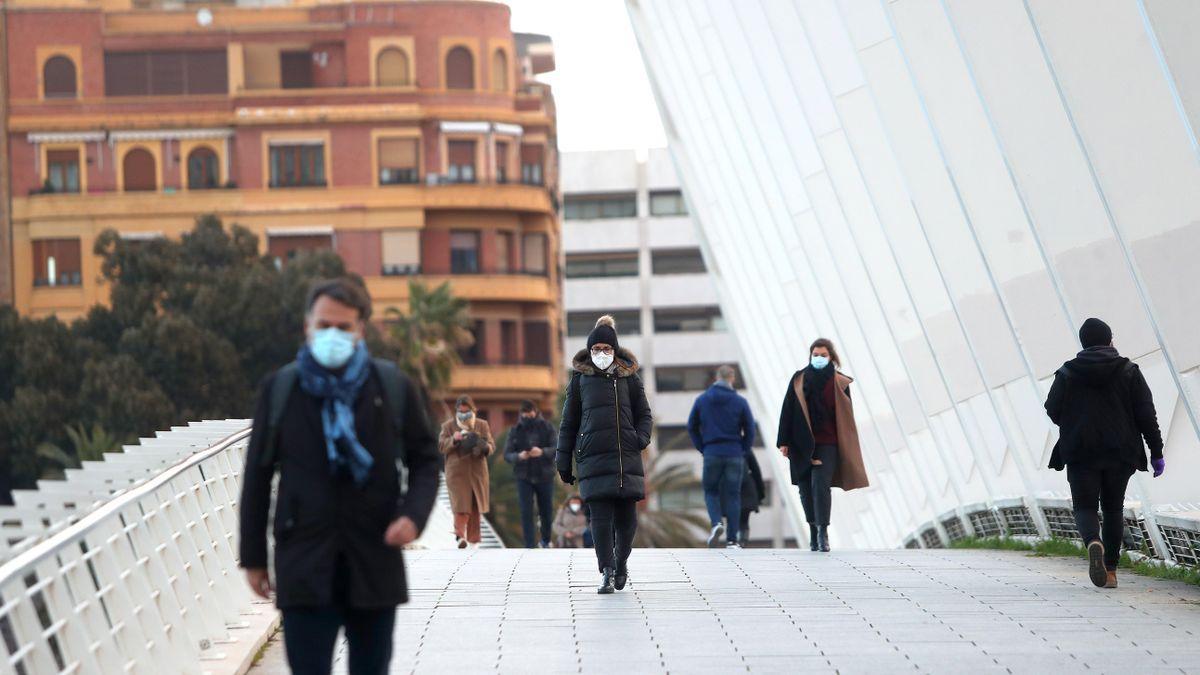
[518,379]
[393,290]
[276,201]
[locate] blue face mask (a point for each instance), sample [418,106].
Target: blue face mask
[819,362]
[332,347]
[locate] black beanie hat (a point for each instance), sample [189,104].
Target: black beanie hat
[605,332]
[1094,333]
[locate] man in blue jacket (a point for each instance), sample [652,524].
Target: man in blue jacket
[722,429]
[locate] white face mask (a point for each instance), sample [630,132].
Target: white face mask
[602,360]
[819,362]
[574,508]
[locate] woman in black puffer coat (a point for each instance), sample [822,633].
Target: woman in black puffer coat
[606,423]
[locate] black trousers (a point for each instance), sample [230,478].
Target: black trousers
[310,634]
[1105,485]
[815,485]
[544,491]
[614,522]
[744,526]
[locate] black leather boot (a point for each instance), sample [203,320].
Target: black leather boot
[813,543]
[621,576]
[823,538]
[606,582]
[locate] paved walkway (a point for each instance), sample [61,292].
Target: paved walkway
[785,611]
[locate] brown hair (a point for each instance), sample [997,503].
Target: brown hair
[827,344]
[465,400]
[345,290]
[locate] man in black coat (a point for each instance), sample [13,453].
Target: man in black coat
[335,424]
[530,449]
[1103,409]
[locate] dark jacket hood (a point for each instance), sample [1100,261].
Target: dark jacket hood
[627,363]
[1095,366]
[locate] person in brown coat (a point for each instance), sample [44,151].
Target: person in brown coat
[466,441]
[570,523]
[818,435]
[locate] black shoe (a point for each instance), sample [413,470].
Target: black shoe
[606,582]
[1096,571]
[823,538]
[621,577]
[813,543]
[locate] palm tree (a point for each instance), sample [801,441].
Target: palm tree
[430,336]
[668,528]
[87,446]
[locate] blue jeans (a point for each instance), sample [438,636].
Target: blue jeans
[722,480]
[544,492]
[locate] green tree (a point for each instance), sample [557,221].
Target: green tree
[429,337]
[86,446]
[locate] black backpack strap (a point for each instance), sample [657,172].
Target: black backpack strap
[282,386]
[393,382]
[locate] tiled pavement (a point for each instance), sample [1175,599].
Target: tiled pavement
[784,611]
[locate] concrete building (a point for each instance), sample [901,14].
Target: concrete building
[633,251]
[409,137]
[947,189]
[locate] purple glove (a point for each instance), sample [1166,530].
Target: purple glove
[1159,465]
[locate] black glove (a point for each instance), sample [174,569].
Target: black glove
[566,477]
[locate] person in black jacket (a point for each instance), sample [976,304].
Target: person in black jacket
[606,423]
[335,436]
[818,435]
[530,449]
[1103,408]
[754,493]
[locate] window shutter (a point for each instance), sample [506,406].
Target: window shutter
[460,69]
[535,253]
[166,73]
[462,153]
[126,74]
[402,249]
[391,68]
[58,77]
[398,153]
[207,72]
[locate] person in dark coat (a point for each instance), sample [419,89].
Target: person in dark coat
[754,493]
[340,517]
[1104,409]
[606,423]
[722,429]
[530,449]
[818,435]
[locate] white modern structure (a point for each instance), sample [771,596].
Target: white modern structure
[632,251]
[947,188]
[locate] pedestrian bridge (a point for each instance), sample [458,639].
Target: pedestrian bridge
[129,565]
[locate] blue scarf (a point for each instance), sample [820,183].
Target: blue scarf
[337,394]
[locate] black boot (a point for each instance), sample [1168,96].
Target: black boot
[621,576]
[606,581]
[813,543]
[823,538]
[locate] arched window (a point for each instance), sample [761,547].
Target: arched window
[500,71]
[460,69]
[391,68]
[58,77]
[140,171]
[202,170]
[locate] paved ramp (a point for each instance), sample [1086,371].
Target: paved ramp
[785,611]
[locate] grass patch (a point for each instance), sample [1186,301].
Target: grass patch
[1046,548]
[258,656]
[993,543]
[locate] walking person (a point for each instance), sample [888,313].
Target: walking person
[754,493]
[530,449]
[1104,410]
[606,423]
[818,435]
[333,424]
[722,429]
[570,523]
[466,441]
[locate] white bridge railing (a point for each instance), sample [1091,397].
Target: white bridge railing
[147,582]
[130,564]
